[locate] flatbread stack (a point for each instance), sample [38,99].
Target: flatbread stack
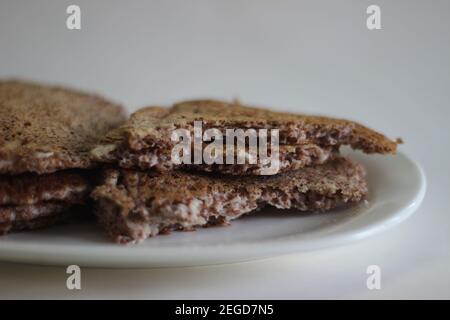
[145,192]
[45,141]
[60,148]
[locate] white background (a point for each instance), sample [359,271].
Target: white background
[302,56]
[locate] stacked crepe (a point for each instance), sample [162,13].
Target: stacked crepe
[46,134]
[60,148]
[144,193]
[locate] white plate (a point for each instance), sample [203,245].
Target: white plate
[397,187]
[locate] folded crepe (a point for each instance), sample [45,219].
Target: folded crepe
[133,205]
[46,131]
[145,140]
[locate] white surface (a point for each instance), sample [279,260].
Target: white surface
[310,56]
[397,187]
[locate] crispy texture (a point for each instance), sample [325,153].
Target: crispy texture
[290,158]
[133,205]
[30,201]
[27,189]
[37,216]
[45,129]
[148,131]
